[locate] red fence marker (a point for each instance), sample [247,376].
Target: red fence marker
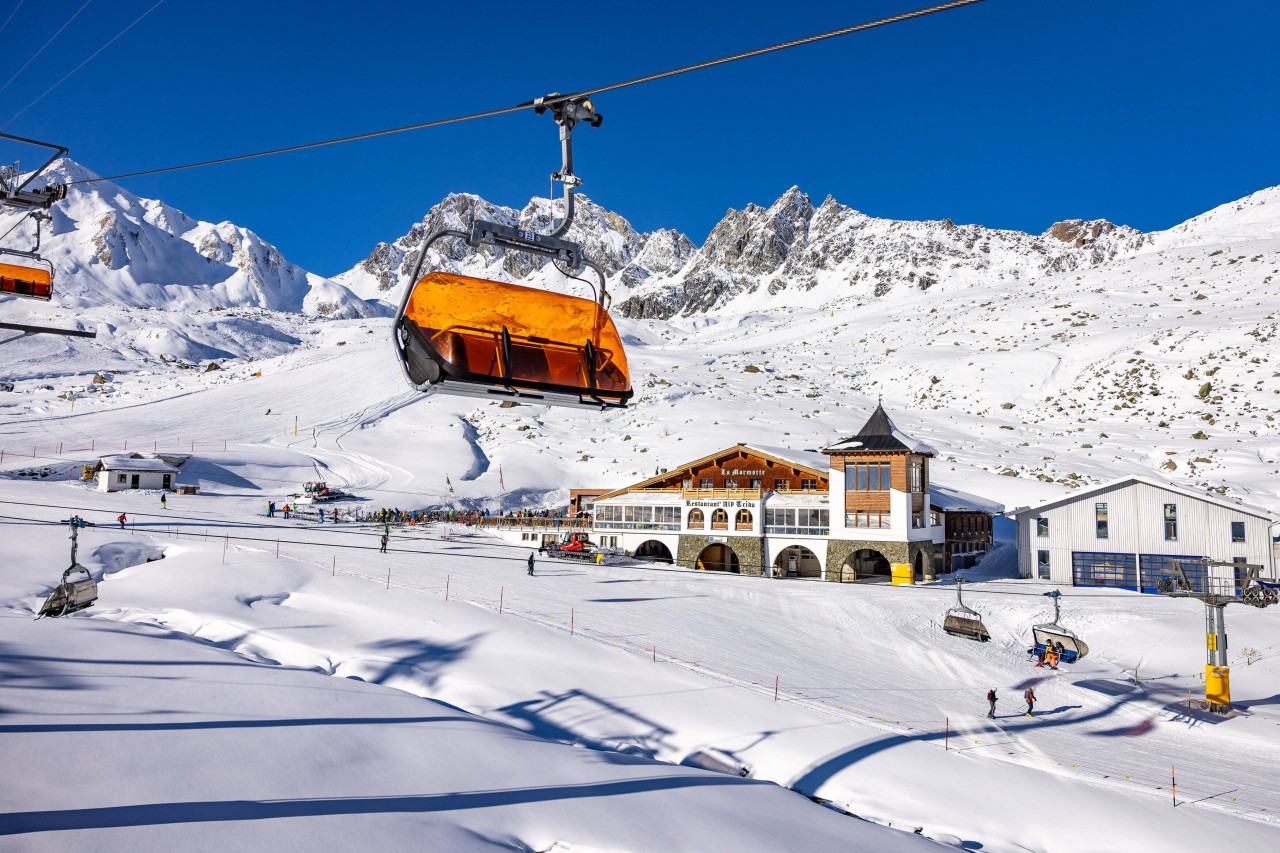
[655,654]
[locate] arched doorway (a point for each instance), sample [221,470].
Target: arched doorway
[652,549]
[918,565]
[865,564]
[797,561]
[718,557]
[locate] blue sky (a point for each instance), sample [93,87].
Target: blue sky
[1012,114]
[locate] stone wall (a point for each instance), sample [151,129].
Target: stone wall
[750,551]
[839,550]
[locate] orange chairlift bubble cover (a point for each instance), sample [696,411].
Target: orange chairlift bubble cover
[26,281]
[462,318]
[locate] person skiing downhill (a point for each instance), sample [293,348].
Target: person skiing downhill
[382,546]
[992,698]
[1030,696]
[531,563]
[163,503]
[122,518]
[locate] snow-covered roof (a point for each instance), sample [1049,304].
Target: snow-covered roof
[664,498]
[804,458]
[1158,484]
[880,433]
[136,463]
[781,500]
[947,499]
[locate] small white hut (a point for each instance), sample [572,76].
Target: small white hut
[133,471]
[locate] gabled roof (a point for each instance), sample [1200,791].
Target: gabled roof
[807,460]
[135,463]
[1148,481]
[879,434]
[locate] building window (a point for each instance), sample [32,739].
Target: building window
[1171,522]
[705,483]
[917,520]
[719,520]
[1042,527]
[696,521]
[756,483]
[808,485]
[742,521]
[935,519]
[731,484]
[797,522]
[867,518]
[915,471]
[1100,520]
[871,477]
[686,485]
[1237,531]
[1042,565]
[781,485]
[119,478]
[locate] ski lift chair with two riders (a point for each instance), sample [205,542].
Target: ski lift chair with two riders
[455,334]
[1051,638]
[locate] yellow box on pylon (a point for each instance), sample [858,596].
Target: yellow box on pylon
[1217,685]
[901,573]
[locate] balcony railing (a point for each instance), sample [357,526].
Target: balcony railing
[773,530]
[722,494]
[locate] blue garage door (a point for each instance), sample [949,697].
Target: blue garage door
[1156,566]
[1096,568]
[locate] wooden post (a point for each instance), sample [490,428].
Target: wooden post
[946,738]
[93,444]
[295,424]
[447,578]
[277,547]
[126,444]
[775,688]
[224,548]
[571,621]
[501,590]
[388,578]
[655,654]
[334,571]
[1173,778]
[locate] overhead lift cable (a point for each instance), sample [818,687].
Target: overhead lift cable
[556,99]
[86,61]
[46,44]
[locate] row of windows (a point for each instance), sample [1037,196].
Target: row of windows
[800,522]
[867,477]
[1102,527]
[1127,570]
[638,517]
[779,485]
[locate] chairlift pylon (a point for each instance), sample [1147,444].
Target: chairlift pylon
[455,334]
[70,596]
[1052,638]
[962,621]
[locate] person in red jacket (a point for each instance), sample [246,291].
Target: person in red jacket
[122,518]
[992,698]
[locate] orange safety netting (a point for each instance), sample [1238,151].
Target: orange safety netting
[26,281]
[462,318]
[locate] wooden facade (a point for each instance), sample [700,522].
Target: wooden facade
[736,472]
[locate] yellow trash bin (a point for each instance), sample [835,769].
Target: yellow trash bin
[901,573]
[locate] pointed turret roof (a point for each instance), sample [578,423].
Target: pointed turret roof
[878,435]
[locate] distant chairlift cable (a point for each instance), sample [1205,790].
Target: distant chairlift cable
[5,25]
[87,60]
[46,44]
[549,101]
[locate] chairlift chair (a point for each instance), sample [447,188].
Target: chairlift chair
[455,334]
[70,596]
[1073,648]
[31,275]
[962,621]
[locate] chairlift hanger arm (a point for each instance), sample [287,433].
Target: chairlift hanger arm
[43,198]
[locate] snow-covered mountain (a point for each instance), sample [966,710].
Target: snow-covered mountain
[814,254]
[113,248]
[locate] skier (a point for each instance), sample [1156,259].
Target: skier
[122,518]
[1030,696]
[382,544]
[335,516]
[287,510]
[163,504]
[271,509]
[530,563]
[992,698]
